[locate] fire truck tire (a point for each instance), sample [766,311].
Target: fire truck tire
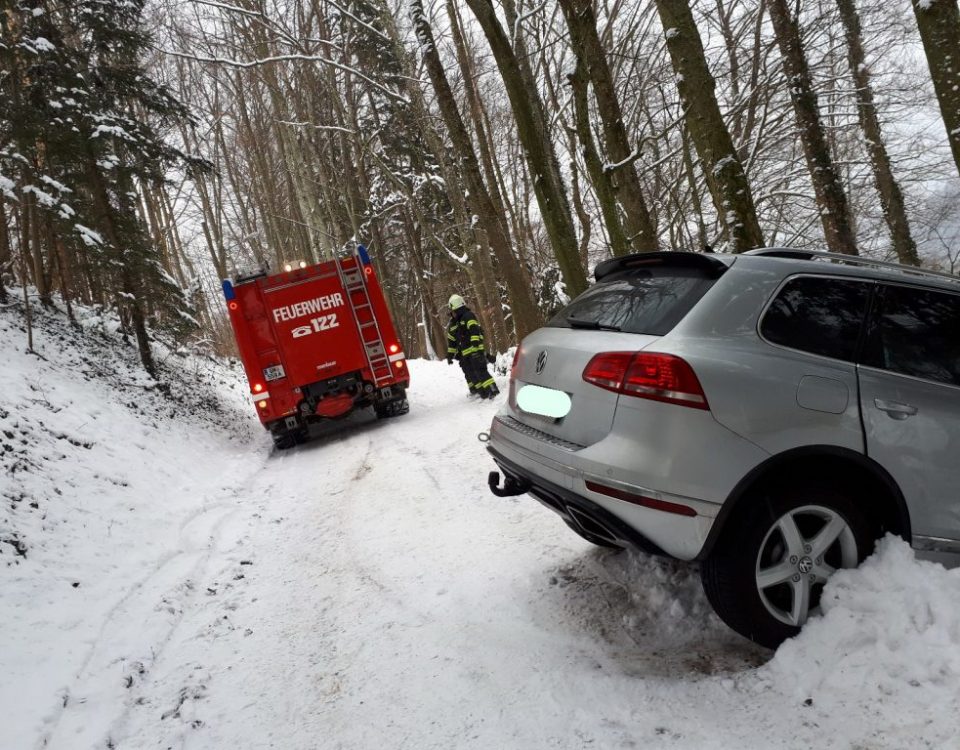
[284,440]
[395,408]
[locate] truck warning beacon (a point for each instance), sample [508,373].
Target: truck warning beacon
[316,343]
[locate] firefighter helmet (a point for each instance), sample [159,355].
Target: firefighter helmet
[456,302]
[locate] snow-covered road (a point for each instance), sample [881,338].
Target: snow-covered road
[366,591]
[391,601]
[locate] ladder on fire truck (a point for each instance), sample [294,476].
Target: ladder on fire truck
[358,298]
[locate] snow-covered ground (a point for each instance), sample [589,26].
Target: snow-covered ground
[167,579]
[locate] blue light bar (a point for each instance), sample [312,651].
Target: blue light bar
[364,255]
[228,292]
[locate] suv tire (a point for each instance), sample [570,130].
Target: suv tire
[766,576]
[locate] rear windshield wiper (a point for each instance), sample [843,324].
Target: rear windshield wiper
[593,325]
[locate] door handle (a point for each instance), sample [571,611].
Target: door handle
[895,409]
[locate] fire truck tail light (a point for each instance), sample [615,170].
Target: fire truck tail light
[234,305]
[303,264]
[262,404]
[398,364]
[394,348]
[257,387]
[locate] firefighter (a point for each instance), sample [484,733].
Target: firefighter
[465,344]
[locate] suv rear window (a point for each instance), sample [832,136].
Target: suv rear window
[647,300]
[818,315]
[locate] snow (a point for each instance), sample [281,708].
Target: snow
[42,44]
[365,590]
[90,237]
[671,33]
[6,187]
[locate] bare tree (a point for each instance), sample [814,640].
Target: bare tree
[538,146]
[620,170]
[939,25]
[891,197]
[831,199]
[719,159]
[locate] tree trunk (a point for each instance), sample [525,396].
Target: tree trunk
[891,199]
[619,244]
[5,252]
[719,160]
[525,314]
[590,53]
[831,200]
[939,25]
[538,149]
[131,300]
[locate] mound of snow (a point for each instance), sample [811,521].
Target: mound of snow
[886,646]
[890,626]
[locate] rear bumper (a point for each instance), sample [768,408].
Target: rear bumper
[575,509]
[558,476]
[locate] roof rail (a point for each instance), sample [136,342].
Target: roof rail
[707,262]
[853,260]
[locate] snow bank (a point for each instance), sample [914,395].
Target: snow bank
[105,479]
[890,630]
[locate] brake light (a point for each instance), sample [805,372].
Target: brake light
[233,305]
[394,348]
[513,365]
[607,369]
[262,404]
[398,364]
[257,387]
[659,377]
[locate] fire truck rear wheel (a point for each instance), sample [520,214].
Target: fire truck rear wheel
[286,440]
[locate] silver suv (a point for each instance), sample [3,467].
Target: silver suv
[769,414]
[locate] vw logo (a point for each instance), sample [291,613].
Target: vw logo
[541,361]
[805,565]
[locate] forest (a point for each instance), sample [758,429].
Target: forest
[151,148]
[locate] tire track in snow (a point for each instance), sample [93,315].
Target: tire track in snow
[199,540]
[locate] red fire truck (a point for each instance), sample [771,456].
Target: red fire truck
[316,343]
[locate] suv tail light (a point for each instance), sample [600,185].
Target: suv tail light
[659,377]
[513,365]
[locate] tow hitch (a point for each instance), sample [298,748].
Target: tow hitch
[511,487]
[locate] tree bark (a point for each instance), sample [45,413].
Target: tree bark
[538,148]
[5,252]
[891,198]
[719,160]
[831,200]
[939,25]
[590,53]
[619,244]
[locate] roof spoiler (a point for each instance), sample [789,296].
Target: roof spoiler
[709,263]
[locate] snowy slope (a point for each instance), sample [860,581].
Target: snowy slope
[366,591]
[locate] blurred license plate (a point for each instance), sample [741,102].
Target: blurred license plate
[273,373]
[546,402]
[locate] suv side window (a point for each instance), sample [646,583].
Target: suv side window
[917,333]
[819,315]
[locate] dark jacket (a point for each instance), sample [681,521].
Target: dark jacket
[464,334]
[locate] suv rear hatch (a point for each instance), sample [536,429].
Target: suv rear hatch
[637,299]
